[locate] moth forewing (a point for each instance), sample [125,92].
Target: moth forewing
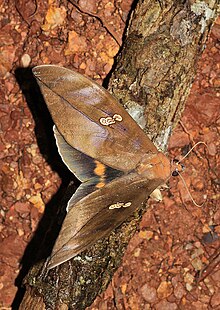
[98,127]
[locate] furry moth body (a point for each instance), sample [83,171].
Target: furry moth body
[108,152]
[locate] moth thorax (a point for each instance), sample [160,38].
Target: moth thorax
[154,166]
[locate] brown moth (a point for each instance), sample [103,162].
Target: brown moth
[102,145]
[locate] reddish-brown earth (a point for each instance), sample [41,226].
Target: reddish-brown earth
[178,243]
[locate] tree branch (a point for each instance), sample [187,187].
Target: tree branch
[153,75]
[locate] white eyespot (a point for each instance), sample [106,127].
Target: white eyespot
[127,204]
[116,205]
[106,121]
[117,117]
[119,205]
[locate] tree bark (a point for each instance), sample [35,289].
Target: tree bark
[152,76]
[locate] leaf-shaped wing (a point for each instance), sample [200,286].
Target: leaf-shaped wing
[97,214]
[90,119]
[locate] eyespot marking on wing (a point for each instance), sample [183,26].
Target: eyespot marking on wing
[117,117]
[119,205]
[106,121]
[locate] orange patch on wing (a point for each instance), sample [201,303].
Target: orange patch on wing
[100,184]
[99,169]
[100,172]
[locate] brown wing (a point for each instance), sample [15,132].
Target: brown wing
[90,119]
[97,214]
[92,173]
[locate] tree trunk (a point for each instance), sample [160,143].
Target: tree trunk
[152,76]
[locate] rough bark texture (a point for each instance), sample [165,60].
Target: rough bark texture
[157,64]
[153,75]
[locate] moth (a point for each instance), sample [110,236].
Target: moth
[100,143]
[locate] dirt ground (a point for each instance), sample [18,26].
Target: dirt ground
[173,260]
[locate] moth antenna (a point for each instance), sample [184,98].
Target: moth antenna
[184,183]
[176,171]
[200,142]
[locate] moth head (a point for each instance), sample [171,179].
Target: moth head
[177,167]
